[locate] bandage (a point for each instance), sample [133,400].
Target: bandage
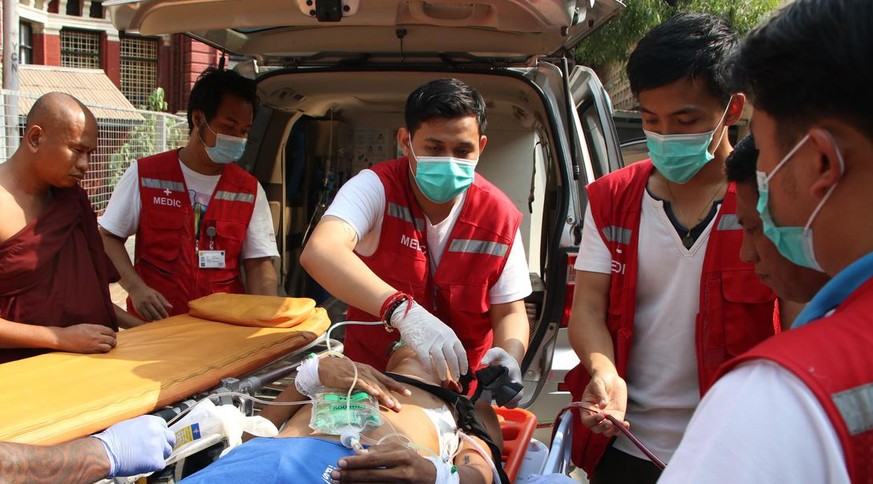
[308,382]
[445,473]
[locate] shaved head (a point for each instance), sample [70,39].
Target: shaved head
[58,109]
[60,136]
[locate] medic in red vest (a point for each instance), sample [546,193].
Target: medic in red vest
[799,407]
[435,258]
[662,298]
[193,209]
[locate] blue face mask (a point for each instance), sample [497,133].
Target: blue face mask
[227,149]
[794,243]
[680,156]
[442,178]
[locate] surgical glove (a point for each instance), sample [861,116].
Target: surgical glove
[433,341]
[137,446]
[497,356]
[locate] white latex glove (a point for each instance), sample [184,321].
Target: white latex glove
[137,446]
[497,356]
[433,341]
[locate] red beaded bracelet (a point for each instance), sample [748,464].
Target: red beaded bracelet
[390,305]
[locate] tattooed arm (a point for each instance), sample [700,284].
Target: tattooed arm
[128,448]
[79,461]
[330,259]
[472,467]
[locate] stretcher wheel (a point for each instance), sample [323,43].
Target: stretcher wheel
[517,426]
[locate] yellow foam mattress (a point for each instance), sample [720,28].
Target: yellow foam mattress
[58,396]
[249,310]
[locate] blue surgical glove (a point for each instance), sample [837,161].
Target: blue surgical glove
[137,446]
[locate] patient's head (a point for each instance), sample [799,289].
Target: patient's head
[404,360]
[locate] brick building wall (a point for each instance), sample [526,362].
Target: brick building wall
[180,60]
[195,57]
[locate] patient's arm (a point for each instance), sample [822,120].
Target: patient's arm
[279,414]
[78,461]
[489,418]
[339,373]
[472,467]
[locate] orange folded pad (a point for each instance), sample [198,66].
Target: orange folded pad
[59,396]
[248,310]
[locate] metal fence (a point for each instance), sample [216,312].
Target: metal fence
[124,136]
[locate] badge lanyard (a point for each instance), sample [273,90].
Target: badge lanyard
[210,259]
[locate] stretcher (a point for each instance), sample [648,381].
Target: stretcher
[59,396]
[555,463]
[549,464]
[517,426]
[163,366]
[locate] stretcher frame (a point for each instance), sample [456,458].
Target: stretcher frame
[278,371]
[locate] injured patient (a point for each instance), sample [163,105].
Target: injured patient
[421,432]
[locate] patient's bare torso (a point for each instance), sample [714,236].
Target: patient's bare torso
[411,422]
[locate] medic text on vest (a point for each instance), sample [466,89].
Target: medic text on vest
[413,244]
[617,267]
[169,202]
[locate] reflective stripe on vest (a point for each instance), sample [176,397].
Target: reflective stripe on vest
[729,221]
[614,233]
[486,247]
[856,407]
[234,196]
[162,184]
[403,213]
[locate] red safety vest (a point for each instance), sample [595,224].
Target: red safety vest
[471,264]
[736,309]
[832,357]
[166,247]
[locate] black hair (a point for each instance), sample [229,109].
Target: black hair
[812,60]
[740,165]
[687,45]
[211,87]
[444,98]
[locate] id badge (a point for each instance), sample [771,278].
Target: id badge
[211,259]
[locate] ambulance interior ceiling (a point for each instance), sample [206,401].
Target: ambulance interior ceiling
[369,100]
[315,94]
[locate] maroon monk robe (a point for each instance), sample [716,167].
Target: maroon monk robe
[54,272]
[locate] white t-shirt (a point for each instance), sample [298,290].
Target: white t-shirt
[662,369]
[121,217]
[361,204]
[758,424]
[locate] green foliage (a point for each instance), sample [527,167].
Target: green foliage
[144,137]
[614,41]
